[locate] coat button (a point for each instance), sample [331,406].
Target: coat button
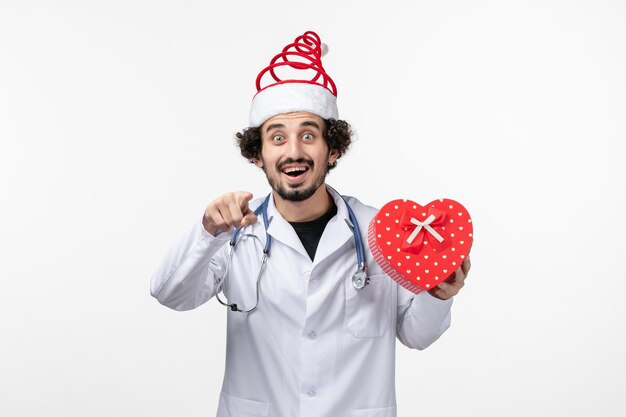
[307,274]
[312,392]
[313,334]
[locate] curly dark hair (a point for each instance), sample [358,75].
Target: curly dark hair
[337,134]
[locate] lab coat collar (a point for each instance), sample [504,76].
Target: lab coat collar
[337,231]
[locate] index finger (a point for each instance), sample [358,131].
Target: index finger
[243,198]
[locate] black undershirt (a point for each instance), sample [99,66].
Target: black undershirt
[310,232]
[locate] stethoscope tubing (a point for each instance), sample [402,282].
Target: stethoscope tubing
[359,280]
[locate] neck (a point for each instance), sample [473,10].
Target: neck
[312,208]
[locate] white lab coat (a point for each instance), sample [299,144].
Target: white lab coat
[315,346]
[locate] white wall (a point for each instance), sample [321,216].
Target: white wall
[116,129]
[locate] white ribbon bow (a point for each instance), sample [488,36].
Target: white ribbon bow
[426,225]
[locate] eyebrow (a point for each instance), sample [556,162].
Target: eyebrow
[310,123]
[274,126]
[280,125]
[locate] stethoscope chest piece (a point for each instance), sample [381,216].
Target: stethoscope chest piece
[360,279]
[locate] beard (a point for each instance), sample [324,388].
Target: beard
[292,192]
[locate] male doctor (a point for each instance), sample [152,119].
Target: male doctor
[302,339]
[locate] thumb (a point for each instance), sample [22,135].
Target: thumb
[249,219]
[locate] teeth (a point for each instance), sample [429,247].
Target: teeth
[293,169]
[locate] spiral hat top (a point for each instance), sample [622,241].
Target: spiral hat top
[295,81]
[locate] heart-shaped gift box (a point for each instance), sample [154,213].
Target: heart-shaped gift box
[420,246]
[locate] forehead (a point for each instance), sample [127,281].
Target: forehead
[292,120]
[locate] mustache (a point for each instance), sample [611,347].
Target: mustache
[288,161]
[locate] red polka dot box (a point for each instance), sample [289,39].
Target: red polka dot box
[420,246]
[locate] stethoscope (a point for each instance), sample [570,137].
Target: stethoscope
[359,279]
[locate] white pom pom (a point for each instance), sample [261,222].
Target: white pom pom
[324,49]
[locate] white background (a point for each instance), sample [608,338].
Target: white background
[116,126]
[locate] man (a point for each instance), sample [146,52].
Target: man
[302,340]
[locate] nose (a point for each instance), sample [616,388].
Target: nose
[294,148]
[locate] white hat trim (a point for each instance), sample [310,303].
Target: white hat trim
[292,97]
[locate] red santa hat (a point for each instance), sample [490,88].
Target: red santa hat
[295,81]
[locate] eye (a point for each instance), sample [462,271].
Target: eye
[308,136]
[278,138]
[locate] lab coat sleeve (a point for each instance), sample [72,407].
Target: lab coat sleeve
[190,273]
[422,318]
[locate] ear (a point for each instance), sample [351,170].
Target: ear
[333,155]
[257,162]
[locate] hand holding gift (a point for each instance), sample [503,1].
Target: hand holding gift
[453,284]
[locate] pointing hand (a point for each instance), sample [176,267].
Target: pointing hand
[228,211]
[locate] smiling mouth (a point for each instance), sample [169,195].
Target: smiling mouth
[295,171]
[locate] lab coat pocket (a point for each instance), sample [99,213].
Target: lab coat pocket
[230,406]
[368,310]
[375,412]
